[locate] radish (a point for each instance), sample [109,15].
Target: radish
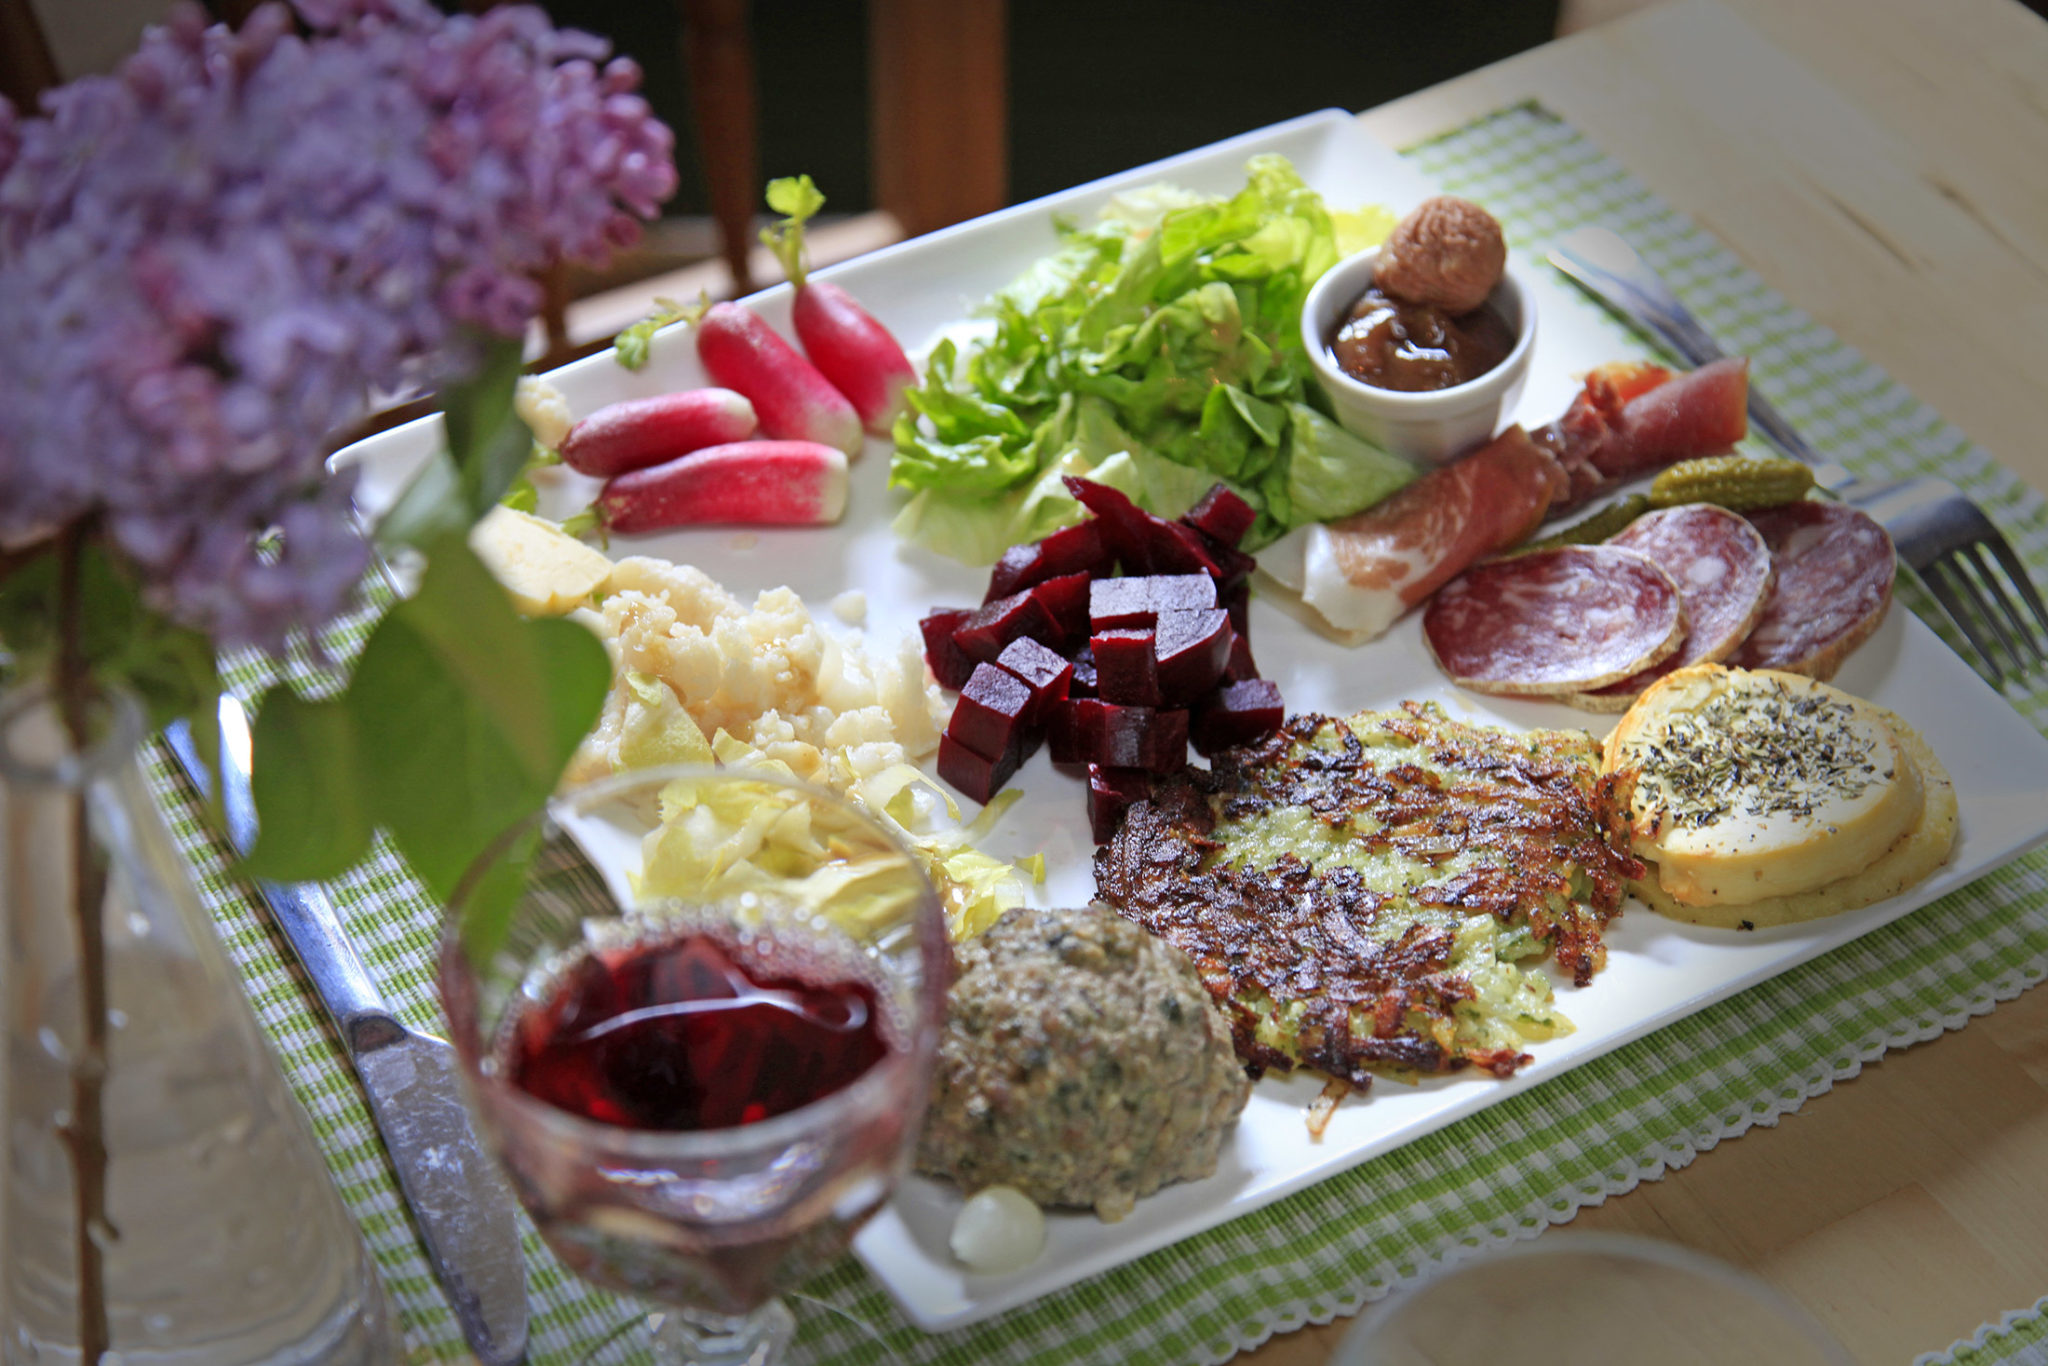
[794,401]
[842,339]
[646,431]
[755,483]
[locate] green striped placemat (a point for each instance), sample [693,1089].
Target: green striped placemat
[1529,1162]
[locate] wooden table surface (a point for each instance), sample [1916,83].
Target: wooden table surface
[1883,164]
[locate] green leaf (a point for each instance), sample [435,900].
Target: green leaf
[489,443]
[467,713]
[308,787]
[797,199]
[631,345]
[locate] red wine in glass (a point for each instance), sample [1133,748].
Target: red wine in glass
[689,1033]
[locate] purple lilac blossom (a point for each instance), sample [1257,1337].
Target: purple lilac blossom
[209,259]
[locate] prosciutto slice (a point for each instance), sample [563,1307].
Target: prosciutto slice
[1362,573]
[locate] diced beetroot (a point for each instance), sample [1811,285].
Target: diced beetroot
[1237,714]
[995,624]
[1020,567]
[949,663]
[1240,667]
[993,709]
[1120,604]
[1046,674]
[976,777]
[1126,527]
[1126,670]
[1083,684]
[1233,566]
[1237,600]
[1178,549]
[1137,600]
[1078,549]
[1182,592]
[1222,515]
[1073,730]
[1191,649]
[1142,737]
[1111,792]
[1065,600]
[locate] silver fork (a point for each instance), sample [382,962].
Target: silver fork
[1939,531]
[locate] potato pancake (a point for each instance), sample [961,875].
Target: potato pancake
[1358,895]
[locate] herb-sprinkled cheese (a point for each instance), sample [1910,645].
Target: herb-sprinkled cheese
[1779,754]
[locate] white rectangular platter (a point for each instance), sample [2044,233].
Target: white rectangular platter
[1657,970]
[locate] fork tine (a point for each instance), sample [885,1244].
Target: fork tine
[2017,572]
[1988,598]
[1936,576]
[2021,641]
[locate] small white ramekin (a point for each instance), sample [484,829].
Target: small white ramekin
[1428,428]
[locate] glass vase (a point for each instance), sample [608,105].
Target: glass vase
[224,1240]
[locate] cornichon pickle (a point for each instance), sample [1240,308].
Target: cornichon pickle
[1598,527]
[1736,482]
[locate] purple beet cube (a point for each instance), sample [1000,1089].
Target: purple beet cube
[1233,566]
[1181,592]
[1111,792]
[1236,599]
[977,777]
[1178,549]
[1083,682]
[1065,600]
[995,624]
[994,710]
[1121,604]
[1126,534]
[1020,567]
[1073,730]
[1126,670]
[1045,673]
[1143,737]
[1078,549]
[1241,667]
[1222,515]
[1237,714]
[950,664]
[1191,649]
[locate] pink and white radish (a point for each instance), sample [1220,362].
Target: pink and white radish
[793,401]
[744,483]
[842,339]
[646,431]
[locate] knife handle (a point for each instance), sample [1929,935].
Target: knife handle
[302,911]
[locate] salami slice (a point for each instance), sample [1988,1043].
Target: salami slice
[1566,620]
[1834,568]
[1723,571]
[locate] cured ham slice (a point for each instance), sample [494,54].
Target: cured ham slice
[1565,620]
[1631,419]
[1723,571]
[1834,569]
[1361,573]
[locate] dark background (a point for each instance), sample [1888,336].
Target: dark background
[1093,87]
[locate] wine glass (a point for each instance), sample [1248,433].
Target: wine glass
[1573,1297]
[702,1041]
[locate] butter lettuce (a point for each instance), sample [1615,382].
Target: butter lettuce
[1166,334]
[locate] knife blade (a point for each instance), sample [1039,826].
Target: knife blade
[464,1210]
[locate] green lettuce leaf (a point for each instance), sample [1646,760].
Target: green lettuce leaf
[1168,334]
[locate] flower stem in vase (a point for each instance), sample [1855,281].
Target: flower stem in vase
[84,1133]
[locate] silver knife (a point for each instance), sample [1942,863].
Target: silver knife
[458,1196]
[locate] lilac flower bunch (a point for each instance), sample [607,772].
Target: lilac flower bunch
[211,258]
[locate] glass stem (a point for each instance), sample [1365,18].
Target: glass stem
[691,1337]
